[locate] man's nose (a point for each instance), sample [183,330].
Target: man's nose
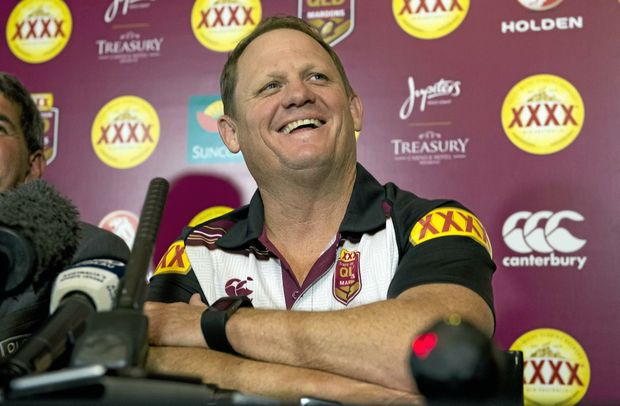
[297,93]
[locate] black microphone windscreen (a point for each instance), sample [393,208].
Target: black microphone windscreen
[97,243]
[50,221]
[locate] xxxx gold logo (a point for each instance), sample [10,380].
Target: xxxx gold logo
[429,19]
[448,221]
[556,369]
[125,132]
[174,260]
[220,24]
[543,114]
[38,30]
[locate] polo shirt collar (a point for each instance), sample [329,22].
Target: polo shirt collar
[365,212]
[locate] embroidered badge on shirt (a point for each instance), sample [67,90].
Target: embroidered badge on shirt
[449,221]
[347,277]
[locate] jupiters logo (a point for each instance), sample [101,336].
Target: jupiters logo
[542,239]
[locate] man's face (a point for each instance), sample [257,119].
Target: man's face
[16,163]
[292,111]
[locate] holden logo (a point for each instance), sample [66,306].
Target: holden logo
[535,238]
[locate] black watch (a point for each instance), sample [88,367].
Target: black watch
[214,318]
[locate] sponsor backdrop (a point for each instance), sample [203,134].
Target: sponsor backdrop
[509,106]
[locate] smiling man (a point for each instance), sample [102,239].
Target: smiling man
[338,272]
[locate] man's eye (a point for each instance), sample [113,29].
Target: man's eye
[270,86]
[318,76]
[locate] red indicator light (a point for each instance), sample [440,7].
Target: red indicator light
[424,344]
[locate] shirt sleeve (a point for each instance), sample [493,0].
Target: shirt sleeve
[453,259]
[440,241]
[170,288]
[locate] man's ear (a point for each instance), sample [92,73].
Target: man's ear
[37,165]
[228,132]
[357,111]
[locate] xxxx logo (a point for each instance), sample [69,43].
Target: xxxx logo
[125,132]
[219,25]
[174,260]
[542,114]
[429,19]
[556,370]
[445,222]
[38,30]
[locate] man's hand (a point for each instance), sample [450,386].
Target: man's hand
[176,324]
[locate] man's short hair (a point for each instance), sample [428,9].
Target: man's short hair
[30,117]
[228,78]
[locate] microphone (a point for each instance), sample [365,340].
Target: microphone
[38,236]
[119,339]
[455,363]
[78,292]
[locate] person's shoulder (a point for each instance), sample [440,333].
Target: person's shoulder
[212,229]
[96,242]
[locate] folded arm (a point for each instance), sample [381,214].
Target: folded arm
[270,380]
[369,343]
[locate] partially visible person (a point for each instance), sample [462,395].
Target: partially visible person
[21,134]
[22,160]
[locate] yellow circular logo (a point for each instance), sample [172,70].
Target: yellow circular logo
[220,25]
[208,214]
[125,132]
[543,114]
[37,30]
[556,368]
[429,20]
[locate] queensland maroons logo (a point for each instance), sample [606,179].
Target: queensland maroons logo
[50,117]
[347,280]
[543,114]
[429,19]
[38,30]
[220,24]
[540,5]
[334,19]
[125,132]
[556,369]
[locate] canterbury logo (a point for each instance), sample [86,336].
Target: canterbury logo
[534,237]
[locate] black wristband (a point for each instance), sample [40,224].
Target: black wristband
[214,318]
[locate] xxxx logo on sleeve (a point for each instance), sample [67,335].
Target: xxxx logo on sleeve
[125,132]
[219,25]
[38,30]
[556,370]
[429,19]
[174,260]
[542,114]
[449,221]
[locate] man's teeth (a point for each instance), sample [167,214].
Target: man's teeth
[299,123]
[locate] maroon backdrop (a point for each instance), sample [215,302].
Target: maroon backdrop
[510,107]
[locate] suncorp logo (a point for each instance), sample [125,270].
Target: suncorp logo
[550,238]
